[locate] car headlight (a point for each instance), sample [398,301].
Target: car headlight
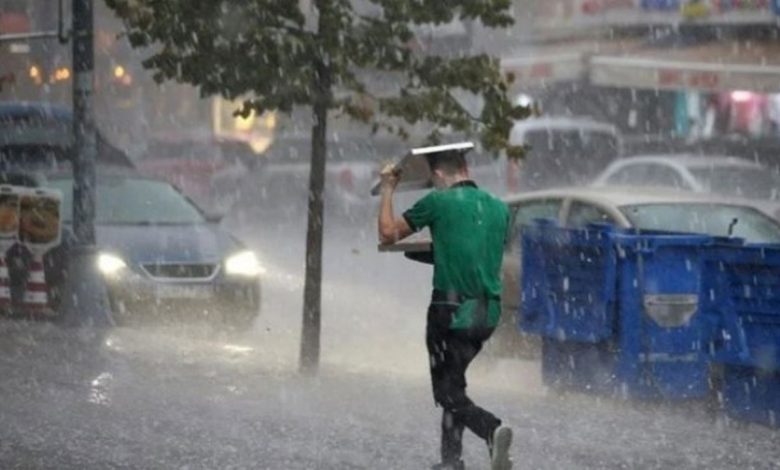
[110,264]
[244,263]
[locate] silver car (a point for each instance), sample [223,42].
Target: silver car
[728,176]
[624,207]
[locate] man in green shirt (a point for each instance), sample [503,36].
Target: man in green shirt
[468,228]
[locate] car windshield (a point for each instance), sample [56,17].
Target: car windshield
[133,201]
[755,183]
[711,219]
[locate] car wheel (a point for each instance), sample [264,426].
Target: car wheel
[239,318]
[118,311]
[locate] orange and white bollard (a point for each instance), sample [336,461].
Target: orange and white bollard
[40,230]
[9,235]
[36,292]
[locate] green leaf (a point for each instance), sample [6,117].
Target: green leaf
[359,57]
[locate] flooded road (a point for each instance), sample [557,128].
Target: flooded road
[191,396]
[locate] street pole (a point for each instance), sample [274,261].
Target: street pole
[85,299]
[85,143]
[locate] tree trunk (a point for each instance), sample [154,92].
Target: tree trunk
[310,334]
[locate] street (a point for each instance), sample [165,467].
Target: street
[191,397]
[161,305]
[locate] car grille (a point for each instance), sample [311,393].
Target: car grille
[180,271]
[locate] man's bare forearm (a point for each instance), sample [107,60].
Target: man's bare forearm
[387,226]
[390,229]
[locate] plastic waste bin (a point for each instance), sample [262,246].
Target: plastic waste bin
[618,311]
[742,289]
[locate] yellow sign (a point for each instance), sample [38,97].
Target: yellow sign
[39,218]
[695,10]
[9,214]
[256,130]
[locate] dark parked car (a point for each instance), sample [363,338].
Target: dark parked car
[39,136]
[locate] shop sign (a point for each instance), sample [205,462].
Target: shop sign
[712,11]
[529,70]
[592,14]
[672,78]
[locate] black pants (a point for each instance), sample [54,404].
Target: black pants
[451,352]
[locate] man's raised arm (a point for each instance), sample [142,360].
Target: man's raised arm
[390,229]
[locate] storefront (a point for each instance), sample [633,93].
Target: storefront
[721,86]
[541,66]
[715,66]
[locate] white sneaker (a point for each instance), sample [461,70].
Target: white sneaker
[499,453]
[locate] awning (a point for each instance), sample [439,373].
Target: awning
[717,66]
[541,65]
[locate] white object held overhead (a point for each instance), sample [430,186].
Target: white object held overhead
[439,149]
[415,167]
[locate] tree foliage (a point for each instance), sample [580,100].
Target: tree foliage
[273,51]
[276,55]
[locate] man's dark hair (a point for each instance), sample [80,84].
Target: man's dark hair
[450,163]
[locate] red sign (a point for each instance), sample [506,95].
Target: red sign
[14,23]
[670,77]
[692,79]
[703,80]
[591,7]
[541,70]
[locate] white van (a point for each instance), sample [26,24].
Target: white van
[563,151]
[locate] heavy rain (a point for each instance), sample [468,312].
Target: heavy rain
[229,229]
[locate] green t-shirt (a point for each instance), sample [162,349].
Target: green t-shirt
[469,228]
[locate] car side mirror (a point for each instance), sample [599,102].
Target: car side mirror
[214,217]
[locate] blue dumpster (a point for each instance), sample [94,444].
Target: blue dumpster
[568,287]
[568,297]
[665,336]
[752,394]
[618,312]
[742,289]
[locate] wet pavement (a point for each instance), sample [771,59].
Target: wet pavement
[192,396]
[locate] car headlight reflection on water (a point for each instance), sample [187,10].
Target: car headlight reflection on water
[109,264]
[244,263]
